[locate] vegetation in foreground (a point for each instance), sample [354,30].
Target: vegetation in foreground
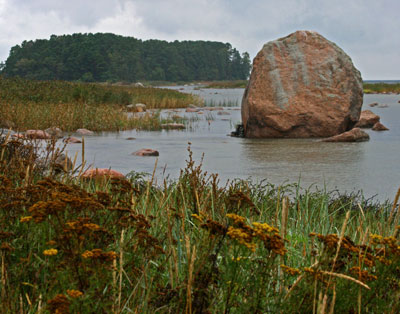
[189,246]
[27,104]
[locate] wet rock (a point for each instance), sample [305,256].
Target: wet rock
[140,107]
[373,104]
[146,152]
[354,135]
[19,136]
[192,109]
[301,86]
[239,132]
[173,126]
[223,113]
[37,134]
[367,119]
[102,173]
[55,132]
[131,138]
[379,127]
[84,132]
[72,140]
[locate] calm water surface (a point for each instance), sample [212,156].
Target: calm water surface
[370,166]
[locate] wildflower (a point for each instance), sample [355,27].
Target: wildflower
[74,293]
[363,275]
[289,270]
[59,304]
[236,218]
[214,227]
[100,255]
[264,227]
[26,219]
[50,252]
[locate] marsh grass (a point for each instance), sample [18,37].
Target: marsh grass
[190,246]
[226,84]
[28,104]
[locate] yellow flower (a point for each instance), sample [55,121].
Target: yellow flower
[74,293]
[87,254]
[50,252]
[26,219]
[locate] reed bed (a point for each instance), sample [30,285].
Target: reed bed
[70,117]
[28,104]
[189,246]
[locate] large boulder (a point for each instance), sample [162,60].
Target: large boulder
[301,85]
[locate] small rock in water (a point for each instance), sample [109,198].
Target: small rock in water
[373,104]
[146,152]
[383,106]
[223,113]
[84,132]
[354,135]
[131,138]
[367,119]
[72,140]
[173,126]
[37,134]
[379,127]
[192,109]
[140,107]
[101,173]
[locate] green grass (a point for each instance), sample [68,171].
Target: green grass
[381,88]
[189,245]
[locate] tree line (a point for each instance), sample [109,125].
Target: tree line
[108,57]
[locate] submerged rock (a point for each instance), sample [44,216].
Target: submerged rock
[84,132]
[223,113]
[72,140]
[301,85]
[367,119]
[146,152]
[379,127]
[192,109]
[354,135]
[373,104]
[173,126]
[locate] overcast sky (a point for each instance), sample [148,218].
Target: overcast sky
[368,30]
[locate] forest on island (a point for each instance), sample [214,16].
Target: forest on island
[105,57]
